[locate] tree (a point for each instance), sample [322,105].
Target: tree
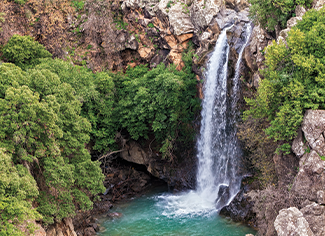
[42,128]
[294,78]
[24,51]
[270,13]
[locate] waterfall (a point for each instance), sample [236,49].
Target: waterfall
[218,150]
[218,153]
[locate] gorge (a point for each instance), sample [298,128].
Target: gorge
[101,100]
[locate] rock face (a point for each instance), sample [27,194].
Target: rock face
[310,180]
[240,209]
[64,228]
[290,222]
[315,216]
[313,127]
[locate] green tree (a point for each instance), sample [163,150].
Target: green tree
[294,78]
[42,128]
[270,13]
[17,191]
[24,51]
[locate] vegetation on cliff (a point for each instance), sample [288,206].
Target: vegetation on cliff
[294,79]
[50,110]
[270,13]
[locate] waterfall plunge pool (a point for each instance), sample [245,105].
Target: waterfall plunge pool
[158,213]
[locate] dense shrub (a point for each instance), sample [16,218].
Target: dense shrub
[294,78]
[42,127]
[24,51]
[17,190]
[50,109]
[270,13]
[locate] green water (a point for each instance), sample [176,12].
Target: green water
[153,215]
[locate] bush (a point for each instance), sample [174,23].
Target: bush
[270,13]
[294,78]
[23,51]
[42,128]
[17,191]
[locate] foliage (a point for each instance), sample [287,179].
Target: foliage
[96,94]
[78,4]
[17,189]
[270,13]
[21,2]
[259,150]
[24,51]
[42,127]
[294,78]
[159,101]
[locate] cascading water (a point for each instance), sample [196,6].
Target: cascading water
[218,179]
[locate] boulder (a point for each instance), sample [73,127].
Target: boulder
[134,153]
[203,12]
[298,146]
[300,11]
[223,196]
[253,56]
[313,127]
[293,21]
[291,222]
[115,215]
[315,216]
[180,20]
[240,208]
[90,231]
[318,4]
[311,176]
[256,79]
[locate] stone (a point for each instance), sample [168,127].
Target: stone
[298,146]
[115,215]
[318,4]
[321,197]
[214,27]
[240,208]
[293,21]
[175,56]
[132,43]
[300,11]
[134,153]
[315,216]
[95,226]
[319,145]
[313,125]
[171,41]
[89,231]
[179,20]
[311,176]
[225,18]
[256,79]
[223,196]
[184,37]
[290,222]
[159,57]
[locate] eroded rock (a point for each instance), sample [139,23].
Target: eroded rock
[292,222]
[315,216]
[311,176]
[293,21]
[313,127]
[298,146]
[134,153]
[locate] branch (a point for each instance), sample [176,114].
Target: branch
[108,154]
